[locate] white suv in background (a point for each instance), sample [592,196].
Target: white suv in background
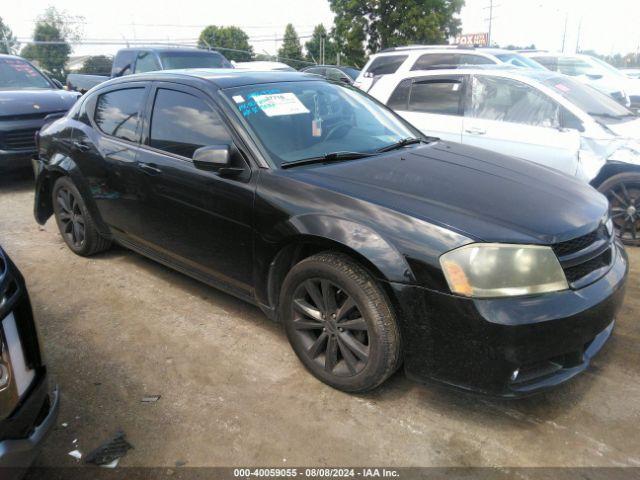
[595,72]
[424,57]
[538,115]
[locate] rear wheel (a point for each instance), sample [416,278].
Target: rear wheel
[340,323]
[74,220]
[623,193]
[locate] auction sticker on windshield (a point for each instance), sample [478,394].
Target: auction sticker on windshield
[279,104]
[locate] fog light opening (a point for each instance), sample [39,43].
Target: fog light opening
[4,376]
[515,374]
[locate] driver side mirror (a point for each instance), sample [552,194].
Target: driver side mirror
[218,159]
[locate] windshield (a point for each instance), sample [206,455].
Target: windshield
[352,72]
[519,61]
[301,120]
[180,60]
[585,97]
[610,68]
[18,74]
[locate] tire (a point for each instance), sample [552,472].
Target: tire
[356,349]
[623,192]
[75,223]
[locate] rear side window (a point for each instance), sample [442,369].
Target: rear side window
[507,100]
[181,123]
[147,62]
[386,65]
[475,60]
[440,97]
[399,99]
[118,112]
[435,60]
[123,63]
[550,63]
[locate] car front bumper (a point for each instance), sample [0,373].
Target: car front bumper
[509,347]
[16,159]
[36,416]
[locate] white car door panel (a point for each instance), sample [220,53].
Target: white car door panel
[445,127]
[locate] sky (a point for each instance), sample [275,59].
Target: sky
[607,27]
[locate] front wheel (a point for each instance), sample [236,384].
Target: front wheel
[623,192]
[340,323]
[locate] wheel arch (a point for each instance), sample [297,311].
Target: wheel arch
[611,169]
[64,166]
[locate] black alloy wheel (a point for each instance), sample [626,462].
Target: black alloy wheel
[623,193]
[72,222]
[339,322]
[75,223]
[330,326]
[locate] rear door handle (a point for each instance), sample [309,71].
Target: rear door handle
[476,131]
[81,146]
[150,168]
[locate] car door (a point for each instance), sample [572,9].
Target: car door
[193,219]
[433,104]
[105,145]
[514,118]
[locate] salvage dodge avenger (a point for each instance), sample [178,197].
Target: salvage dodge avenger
[374,245]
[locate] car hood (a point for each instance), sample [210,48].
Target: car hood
[629,129]
[25,102]
[478,193]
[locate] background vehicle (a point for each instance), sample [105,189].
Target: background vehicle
[631,72]
[334,72]
[423,57]
[28,409]
[338,218]
[140,60]
[27,99]
[260,66]
[595,72]
[540,116]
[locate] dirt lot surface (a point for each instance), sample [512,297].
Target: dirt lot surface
[118,327]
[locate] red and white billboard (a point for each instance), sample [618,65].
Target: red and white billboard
[471,39]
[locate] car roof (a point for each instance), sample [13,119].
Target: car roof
[462,49]
[168,49]
[221,78]
[498,70]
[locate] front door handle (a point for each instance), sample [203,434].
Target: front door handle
[81,146]
[476,131]
[150,168]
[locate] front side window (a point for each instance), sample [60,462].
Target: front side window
[574,66]
[182,123]
[440,97]
[301,120]
[506,100]
[123,63]
[117,113]
[147,62]
[435,60]
[386,65]
[16,74]
[550,63]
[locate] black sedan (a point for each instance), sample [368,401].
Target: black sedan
[375,246]
[28,407]
[28,98]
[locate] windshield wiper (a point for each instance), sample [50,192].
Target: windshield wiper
[328,158]
[401,143]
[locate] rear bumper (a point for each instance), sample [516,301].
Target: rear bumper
[37,415]
[479,345]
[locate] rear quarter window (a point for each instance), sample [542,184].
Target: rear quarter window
[386,65]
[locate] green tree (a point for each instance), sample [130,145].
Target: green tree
[8,41]
[57,28]
[312,47]
[232,38]
[392,23]
[291,50]
[97,65]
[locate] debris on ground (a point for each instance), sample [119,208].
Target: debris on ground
[65,424]
[150,399]
[76,454]
[110,451]
[180,463]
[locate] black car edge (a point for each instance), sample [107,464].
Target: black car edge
[28,406]
[29,99]
[375,246]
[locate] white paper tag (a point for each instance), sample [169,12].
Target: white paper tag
[238,98]
[279,104]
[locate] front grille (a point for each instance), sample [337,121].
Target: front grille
[582,270]
[580,243]
[581,257]
[19,139]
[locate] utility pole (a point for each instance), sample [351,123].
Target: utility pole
[564,35]
[578,39]
[491,18]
